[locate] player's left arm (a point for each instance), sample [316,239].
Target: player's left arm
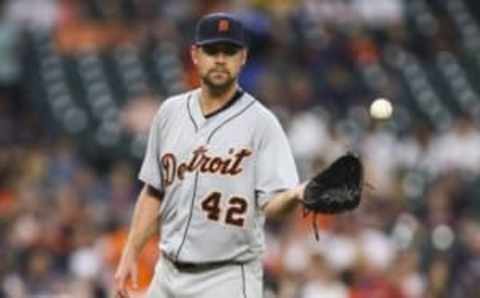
[278,191]
[284,203]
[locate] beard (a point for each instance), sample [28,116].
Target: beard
[218,88]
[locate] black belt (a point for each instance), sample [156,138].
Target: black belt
[186,266]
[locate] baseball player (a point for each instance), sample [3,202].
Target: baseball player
[217,163]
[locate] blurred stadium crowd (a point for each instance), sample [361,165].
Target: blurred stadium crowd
[80,81]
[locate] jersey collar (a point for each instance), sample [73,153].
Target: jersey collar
[235,104]
[229,103]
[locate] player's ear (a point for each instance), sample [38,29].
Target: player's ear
[194,54]
[244,56]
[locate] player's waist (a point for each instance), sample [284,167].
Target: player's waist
[201,266]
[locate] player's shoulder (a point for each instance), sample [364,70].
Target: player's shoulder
[174,102]
[262,113]
[262,120]
[259,109]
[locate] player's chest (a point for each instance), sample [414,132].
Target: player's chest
[216,150]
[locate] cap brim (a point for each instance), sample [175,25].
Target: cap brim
[220,40]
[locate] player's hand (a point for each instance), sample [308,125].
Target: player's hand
[126,270]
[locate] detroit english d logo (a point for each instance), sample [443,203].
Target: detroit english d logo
[223,25]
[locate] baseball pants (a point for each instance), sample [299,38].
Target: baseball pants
[230,280]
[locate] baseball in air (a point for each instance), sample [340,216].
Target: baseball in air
[381,108]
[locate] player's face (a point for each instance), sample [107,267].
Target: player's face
[219,64]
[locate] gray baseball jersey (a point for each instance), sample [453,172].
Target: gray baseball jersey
[215,171]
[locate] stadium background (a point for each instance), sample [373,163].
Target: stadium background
[80,81]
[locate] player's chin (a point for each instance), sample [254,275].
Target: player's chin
[219,82]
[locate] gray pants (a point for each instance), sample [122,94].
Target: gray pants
[232,281]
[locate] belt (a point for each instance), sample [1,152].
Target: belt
[186,266]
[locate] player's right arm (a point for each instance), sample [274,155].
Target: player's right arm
[146,215]
[145,224]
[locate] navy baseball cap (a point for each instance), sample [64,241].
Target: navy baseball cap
[220,27]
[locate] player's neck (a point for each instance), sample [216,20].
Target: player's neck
[211,101]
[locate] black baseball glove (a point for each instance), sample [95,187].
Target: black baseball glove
[336,189]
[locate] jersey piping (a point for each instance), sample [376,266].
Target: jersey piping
[244,286]
[228,120]
[192,204]
[190,112]
[189,216]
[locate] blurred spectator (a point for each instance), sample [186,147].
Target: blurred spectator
[466,283]
[438,276]
[138,114]
[379,13]
[321,281]
[457,149]
[122,191]
[10,63]
[33,15]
